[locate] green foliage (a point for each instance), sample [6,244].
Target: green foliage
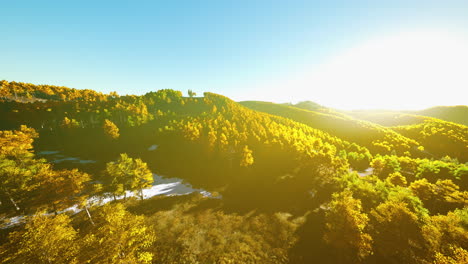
[128,174]
[191,93]
[385,165]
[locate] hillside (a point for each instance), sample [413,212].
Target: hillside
[438,137]
[213,128]
[376,138]
[258,182]
[457,114]
[388,118]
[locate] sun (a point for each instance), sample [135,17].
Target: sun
[404,70]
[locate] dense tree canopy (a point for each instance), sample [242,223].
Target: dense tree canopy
[289,183]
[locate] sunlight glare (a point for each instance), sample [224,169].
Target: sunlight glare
[409,70]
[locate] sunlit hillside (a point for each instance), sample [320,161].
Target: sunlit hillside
[88,177]
[378,139]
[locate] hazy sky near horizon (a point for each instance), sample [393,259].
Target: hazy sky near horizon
[400,54]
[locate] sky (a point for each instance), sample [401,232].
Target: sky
[400,54]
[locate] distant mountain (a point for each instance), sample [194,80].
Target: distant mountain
[388,118]
[457,114]
[308,105]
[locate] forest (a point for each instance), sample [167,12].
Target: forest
[271,183]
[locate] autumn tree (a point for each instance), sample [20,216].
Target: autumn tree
[110,129]
[45,239]
[385,165]
[128,174]
[440,197]
[118,237]
[69,123]
[18,168]
[396,231]
[247,158]
[62,189]
[457,255]
[423,189]
[449,234]
[396,179]
[345,227]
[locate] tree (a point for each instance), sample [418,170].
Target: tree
[423,189]
[451,233]
[119,237]
[449,197]
[128,174]
[16,144]
[458,255]
[19,179]
[45,239]
[396,179]
[191,93]
[69,123]
[384,165]
[247,158]
[18,168]
[62,189]
[345,227]
[110,129]
[396,231]
[440,197]
[142,177]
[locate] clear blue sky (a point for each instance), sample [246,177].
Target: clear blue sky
[242,49]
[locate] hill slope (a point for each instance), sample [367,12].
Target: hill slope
[376,138]
[286,192]
[213,129]
[457,114]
